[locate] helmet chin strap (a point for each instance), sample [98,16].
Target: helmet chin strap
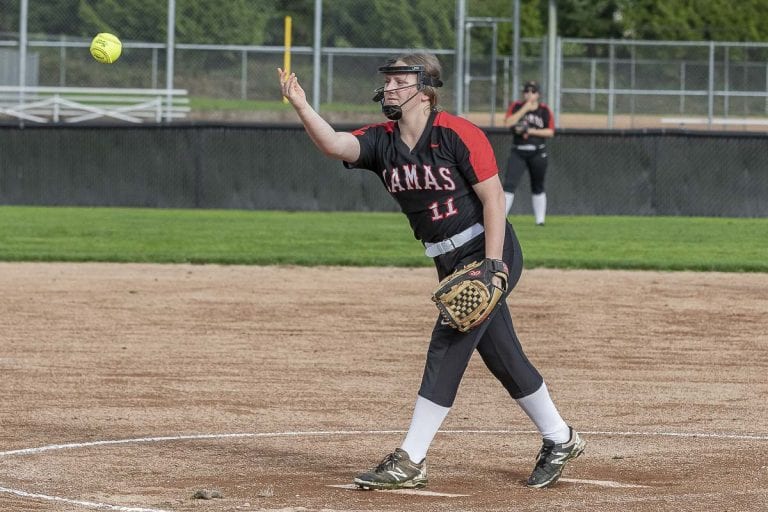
[395,112]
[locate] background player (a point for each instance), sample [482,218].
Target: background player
[442,171]
[532,123]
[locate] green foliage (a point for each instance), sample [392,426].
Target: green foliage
[588,19]
[302,23]
[370,239]
[533,19]
[45,18]
[230,22]
[532,22]
[128,19]
[390,23]
[696,20]
[235,22]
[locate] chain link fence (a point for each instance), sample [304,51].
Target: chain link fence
[57,47]
[665,81]
[229,74]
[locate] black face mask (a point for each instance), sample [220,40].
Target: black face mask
[393,112]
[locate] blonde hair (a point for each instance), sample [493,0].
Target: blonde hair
[432,69]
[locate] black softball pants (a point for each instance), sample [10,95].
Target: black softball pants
[495,339]
[535,162]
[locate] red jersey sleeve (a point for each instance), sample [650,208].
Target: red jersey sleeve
[473,151]
[549,121]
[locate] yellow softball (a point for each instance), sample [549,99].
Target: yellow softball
[106,48]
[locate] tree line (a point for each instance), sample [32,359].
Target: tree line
[387,23]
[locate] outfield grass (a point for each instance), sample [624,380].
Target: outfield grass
[369,239]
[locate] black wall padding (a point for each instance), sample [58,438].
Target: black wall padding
[274,167]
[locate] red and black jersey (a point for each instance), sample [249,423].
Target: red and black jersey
[433,183]
[540,118]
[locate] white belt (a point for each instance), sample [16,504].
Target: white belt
[456,241]
[527,147]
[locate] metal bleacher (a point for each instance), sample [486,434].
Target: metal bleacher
[80,104]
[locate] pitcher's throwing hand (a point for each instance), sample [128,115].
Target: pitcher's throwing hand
[289,85]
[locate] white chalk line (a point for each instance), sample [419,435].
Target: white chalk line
[195,437]
[87,504]
[416,492]
[27,451]
[104,506]
[601,483]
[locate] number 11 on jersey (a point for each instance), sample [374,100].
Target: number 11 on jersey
[449,209]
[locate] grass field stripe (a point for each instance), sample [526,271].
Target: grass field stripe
[193,437]
[81,503]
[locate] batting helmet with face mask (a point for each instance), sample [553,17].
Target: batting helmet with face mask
[395,112]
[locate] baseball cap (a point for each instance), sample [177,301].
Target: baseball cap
[531,84]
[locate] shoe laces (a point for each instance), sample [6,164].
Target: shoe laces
[544,453]
[389,462]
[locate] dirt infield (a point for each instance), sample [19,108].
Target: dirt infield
[132,387]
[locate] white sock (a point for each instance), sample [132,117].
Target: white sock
[426,421]
[542,411]
[539,207]
[509,196]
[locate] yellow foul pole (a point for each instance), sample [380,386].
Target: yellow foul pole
[287,52]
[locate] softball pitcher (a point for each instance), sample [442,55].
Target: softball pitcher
[441,170]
